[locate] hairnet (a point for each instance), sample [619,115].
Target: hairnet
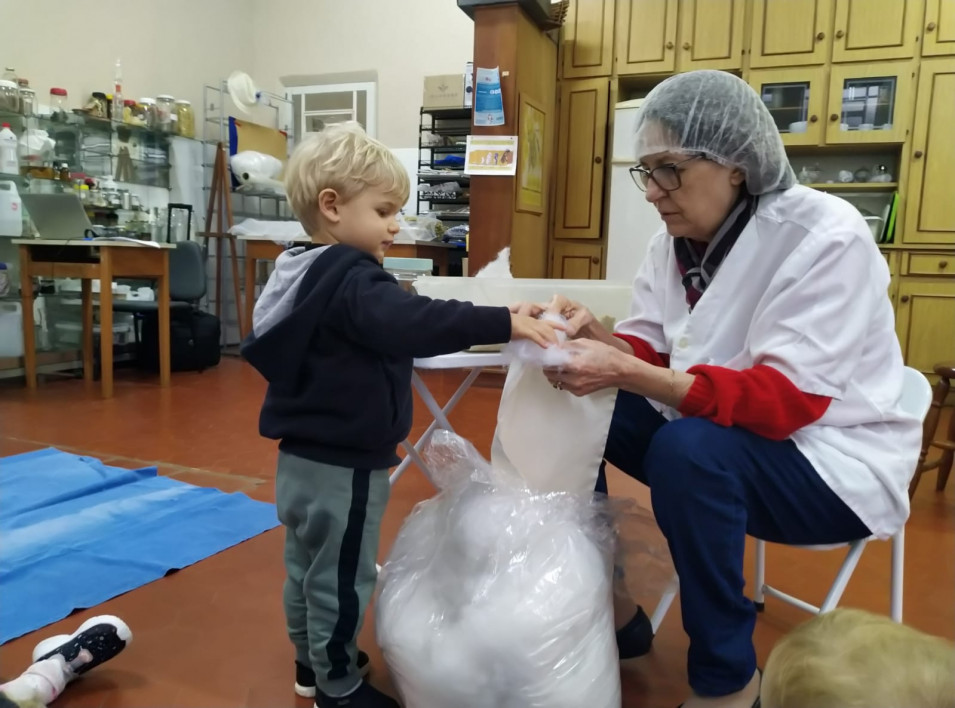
[719,115]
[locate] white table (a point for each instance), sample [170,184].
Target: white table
[477,362]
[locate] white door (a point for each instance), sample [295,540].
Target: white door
[633,220]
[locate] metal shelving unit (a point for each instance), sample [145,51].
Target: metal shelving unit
[451,125]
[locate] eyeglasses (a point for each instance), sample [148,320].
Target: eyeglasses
[666,177]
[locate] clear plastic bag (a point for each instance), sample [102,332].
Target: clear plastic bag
[496,597]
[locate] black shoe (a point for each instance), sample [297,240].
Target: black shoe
[96,641]
[365,696]
[635,637]
[305,677]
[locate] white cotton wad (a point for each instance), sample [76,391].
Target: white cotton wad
[497,592]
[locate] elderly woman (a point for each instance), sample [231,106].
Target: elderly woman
[759,372]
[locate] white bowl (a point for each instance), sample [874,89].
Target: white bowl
[866,126]
[798,127]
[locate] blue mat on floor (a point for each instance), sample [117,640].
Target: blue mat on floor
[75,532]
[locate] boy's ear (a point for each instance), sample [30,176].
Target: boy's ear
[328,204]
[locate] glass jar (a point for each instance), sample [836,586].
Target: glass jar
[9,96]
[129,106]
[27,101]
[58,109]
[165,105]
[185,119]
[148,106]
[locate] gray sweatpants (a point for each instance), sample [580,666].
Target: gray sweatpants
[332,517]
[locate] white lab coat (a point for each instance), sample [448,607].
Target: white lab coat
[803,290]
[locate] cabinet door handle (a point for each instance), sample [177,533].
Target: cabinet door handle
[943,264]
[669,45]
[686,45]
[840,34]
[595,260]
[598,159]
[904,298]
[813,118]
[834,117]
[917,154]
[821,36]
[930,27]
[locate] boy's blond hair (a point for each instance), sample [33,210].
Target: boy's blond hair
[854,659]
[344,158]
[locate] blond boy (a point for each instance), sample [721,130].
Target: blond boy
[336,336]
[854,659]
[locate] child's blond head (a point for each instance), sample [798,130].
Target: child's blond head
[344,158]
[854,659]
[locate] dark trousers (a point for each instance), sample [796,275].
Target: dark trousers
[710,486]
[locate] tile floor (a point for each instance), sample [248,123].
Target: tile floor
[213,634]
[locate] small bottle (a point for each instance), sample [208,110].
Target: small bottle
[9,162]
[117,105]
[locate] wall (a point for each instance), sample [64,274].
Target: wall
[173,46]
[403,40]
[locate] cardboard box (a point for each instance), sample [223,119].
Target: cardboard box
[443,91]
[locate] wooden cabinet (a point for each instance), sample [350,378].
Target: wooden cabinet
[588,39]
[938,36]
[711,34]
[790,33]
[582,261]
[930,213]
[925,320]
[794,96]
[663,36]
[581,148]
[875,30]
[870,103]
[892,260]
[646,36]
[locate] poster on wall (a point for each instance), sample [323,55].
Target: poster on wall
[491,155]
[530,183]
[488,102]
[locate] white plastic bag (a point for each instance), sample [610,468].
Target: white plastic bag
[496,597]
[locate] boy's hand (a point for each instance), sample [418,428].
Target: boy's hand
[541,332]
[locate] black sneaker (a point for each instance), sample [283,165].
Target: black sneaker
[635,637]
[96,641]
[305,677]
[365,696]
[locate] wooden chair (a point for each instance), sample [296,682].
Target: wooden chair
[946,372]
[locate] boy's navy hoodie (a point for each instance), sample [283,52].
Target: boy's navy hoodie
[335,337]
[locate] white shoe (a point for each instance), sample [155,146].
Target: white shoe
[96,641]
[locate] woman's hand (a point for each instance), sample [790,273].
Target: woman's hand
[580,320]
[541,332]
[593,366]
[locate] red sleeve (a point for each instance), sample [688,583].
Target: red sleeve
[759,399]
[644,351]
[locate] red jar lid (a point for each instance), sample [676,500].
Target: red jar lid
[57,92]
[129,102]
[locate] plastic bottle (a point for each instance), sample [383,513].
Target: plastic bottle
[117,108]
[8,151]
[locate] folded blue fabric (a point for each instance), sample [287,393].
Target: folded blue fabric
[75,533]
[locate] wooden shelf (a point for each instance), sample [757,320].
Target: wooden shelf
[855,186]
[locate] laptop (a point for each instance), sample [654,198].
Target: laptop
[59,217]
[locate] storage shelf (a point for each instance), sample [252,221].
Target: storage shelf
[449,176]
[855,186]
[444,200]
[447,113]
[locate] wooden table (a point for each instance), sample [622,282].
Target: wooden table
[89,261]
[261,248]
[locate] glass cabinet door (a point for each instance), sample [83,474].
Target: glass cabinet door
[870,103]
[794,98]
